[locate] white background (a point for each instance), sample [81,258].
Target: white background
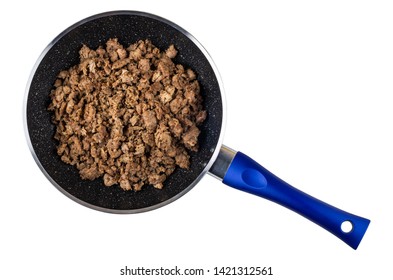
[309,95]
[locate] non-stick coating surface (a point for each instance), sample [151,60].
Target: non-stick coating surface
[62,53]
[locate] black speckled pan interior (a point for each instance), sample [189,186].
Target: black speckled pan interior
[62,53]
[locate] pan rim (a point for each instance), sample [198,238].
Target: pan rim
[181,30]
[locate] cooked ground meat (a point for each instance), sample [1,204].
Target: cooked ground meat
[129,115]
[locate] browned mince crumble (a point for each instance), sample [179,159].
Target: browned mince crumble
[129,115]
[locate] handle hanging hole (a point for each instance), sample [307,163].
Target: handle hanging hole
[346,226]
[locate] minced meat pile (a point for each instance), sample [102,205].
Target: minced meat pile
[127,114]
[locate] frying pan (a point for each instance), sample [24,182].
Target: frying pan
[233,168]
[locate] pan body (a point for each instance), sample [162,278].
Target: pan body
[63,52]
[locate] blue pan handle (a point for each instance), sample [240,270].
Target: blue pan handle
[244,174]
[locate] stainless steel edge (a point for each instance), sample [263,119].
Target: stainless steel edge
[222,163]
